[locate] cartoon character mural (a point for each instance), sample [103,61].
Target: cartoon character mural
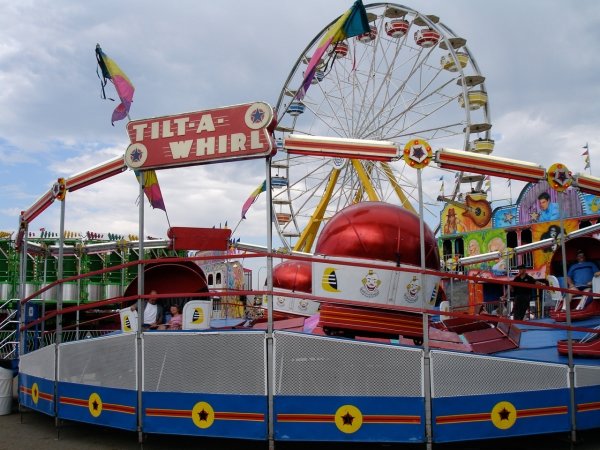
[473,246]
[505,216]
[451,223]
[539,203]
[591,204]
[496,242]
[474,213]
[539,231]
[483,242]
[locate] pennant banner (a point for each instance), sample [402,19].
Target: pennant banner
[248,203]
[152,189]
[111,71]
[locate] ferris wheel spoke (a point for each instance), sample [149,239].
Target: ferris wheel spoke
[418,99]
[385,83]
[386,77]
[397,189]
[396,95]
[328,99]
[402,116]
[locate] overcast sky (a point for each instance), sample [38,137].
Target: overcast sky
[540,59]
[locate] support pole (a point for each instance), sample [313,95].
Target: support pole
[22,289]
[59,307]
[140,319]
[568,322]
[426,355]
[270,355]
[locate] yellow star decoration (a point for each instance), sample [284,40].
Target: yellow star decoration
[35,393]
[95,405]
[203,415]
[348,419]
[504,415]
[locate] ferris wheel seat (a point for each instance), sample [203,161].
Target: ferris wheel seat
[340,50]
[485,146]
[368,36]
[477,99]
[295,109]
[471,177]
[319,75]
[279,181]
[448,63]
[455,42]
[283,218]
[479,127]
[397,28]
[426,37]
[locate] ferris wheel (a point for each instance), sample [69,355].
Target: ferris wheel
[409,77]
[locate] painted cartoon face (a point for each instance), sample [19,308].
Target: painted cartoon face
[372,281]
[496,245]
[474,247]
[413,288]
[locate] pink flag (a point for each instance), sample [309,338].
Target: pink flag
[248,203]
[111,71]
[352,23]
[152,189]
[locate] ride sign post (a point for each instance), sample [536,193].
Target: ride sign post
[417,154]
[226,134]
[560,179]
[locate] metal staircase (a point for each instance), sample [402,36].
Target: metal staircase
[9,325]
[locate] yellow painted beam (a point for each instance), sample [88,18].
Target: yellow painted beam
[399,192]
[309,234]
[365,180]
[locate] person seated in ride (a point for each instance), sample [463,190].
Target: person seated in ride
[580,275]
[176,320]
[152,312]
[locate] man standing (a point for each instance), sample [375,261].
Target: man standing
[522,294]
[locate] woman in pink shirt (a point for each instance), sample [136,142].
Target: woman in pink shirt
[176,319]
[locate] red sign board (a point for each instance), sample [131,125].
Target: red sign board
[202,137]
[188,238]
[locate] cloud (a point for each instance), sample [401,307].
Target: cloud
[539,60]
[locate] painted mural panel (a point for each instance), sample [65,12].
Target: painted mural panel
[540,203]
[591,204]
[474,213]
[483,242]
[505,216]
[539,231]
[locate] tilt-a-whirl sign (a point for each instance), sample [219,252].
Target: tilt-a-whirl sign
[224,134]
